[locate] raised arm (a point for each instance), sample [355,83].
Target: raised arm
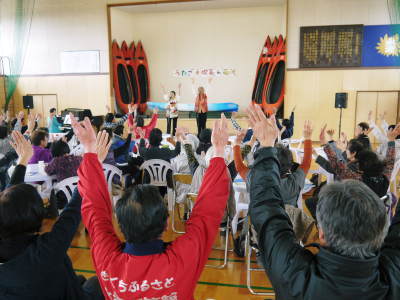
[96,206]
[391,151]
[24,150]
[237,155]
[153,122]
[307,133]
[277,241]
[208,211]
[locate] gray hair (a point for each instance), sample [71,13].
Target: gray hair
[353,219]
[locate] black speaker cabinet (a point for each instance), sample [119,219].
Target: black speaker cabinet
[341,100]
[27,101]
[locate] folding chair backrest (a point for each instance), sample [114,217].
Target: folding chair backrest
[67,186]
[157,169]
[110,172]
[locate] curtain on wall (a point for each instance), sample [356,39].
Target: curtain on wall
[394,11]
[15,23]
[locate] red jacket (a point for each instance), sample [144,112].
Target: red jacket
[147,129]
[201,104]
[173,274]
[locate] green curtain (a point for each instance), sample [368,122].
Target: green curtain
[15,22]
[394,11]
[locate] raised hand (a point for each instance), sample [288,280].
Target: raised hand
[264,129]
[382,116]
[103,144]
[108,108]
[370,116]
[22,146]
[322,136]
[219,137]
[85,133]
[2,118]
[130,108]
[308,130]
[393,133]
[240,136]
[180,133]
[331,133]
[141,132]
[31,123]
[155,110]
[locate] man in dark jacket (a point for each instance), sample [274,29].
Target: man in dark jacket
[34,266]
[357,260]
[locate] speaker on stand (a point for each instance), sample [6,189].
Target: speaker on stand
[27,102]
[340,102]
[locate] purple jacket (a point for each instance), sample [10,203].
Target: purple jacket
[39,154]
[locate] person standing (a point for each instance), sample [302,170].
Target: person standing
[201,106]
[171,111]
[52,122]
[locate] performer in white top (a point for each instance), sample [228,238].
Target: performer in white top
[172,113]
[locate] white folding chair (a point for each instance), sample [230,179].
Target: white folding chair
[183,179]
[157,170]
[249,269]
[110,172]
[67,186]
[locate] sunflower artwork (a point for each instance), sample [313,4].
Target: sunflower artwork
[381,46]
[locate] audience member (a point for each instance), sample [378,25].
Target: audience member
[145,266]
[32,265]
[352,222]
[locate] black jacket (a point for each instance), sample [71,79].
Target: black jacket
[43,269]
[157,152]
[295,272]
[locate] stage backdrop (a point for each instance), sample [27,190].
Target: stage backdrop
[381,47]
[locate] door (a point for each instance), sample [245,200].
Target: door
[38,109]
[42,105]
[366,102]
[387,103]
[378,103]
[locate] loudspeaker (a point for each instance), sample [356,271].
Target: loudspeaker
[27,101]
[341,100]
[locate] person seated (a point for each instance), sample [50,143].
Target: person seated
[154,151]
[54,122]
[109,119]
[138,123]
[121,146]
[362,131]
[63,165]
[287,126]
[196,155]
[40,152]
[381,136]
[145,266]
[33,265]
[356,247]
[365,165]
[4,140]
[293,175]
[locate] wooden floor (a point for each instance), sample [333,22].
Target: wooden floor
[228,283]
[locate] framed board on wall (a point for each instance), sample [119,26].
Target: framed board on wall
[331,46]
[80,61]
